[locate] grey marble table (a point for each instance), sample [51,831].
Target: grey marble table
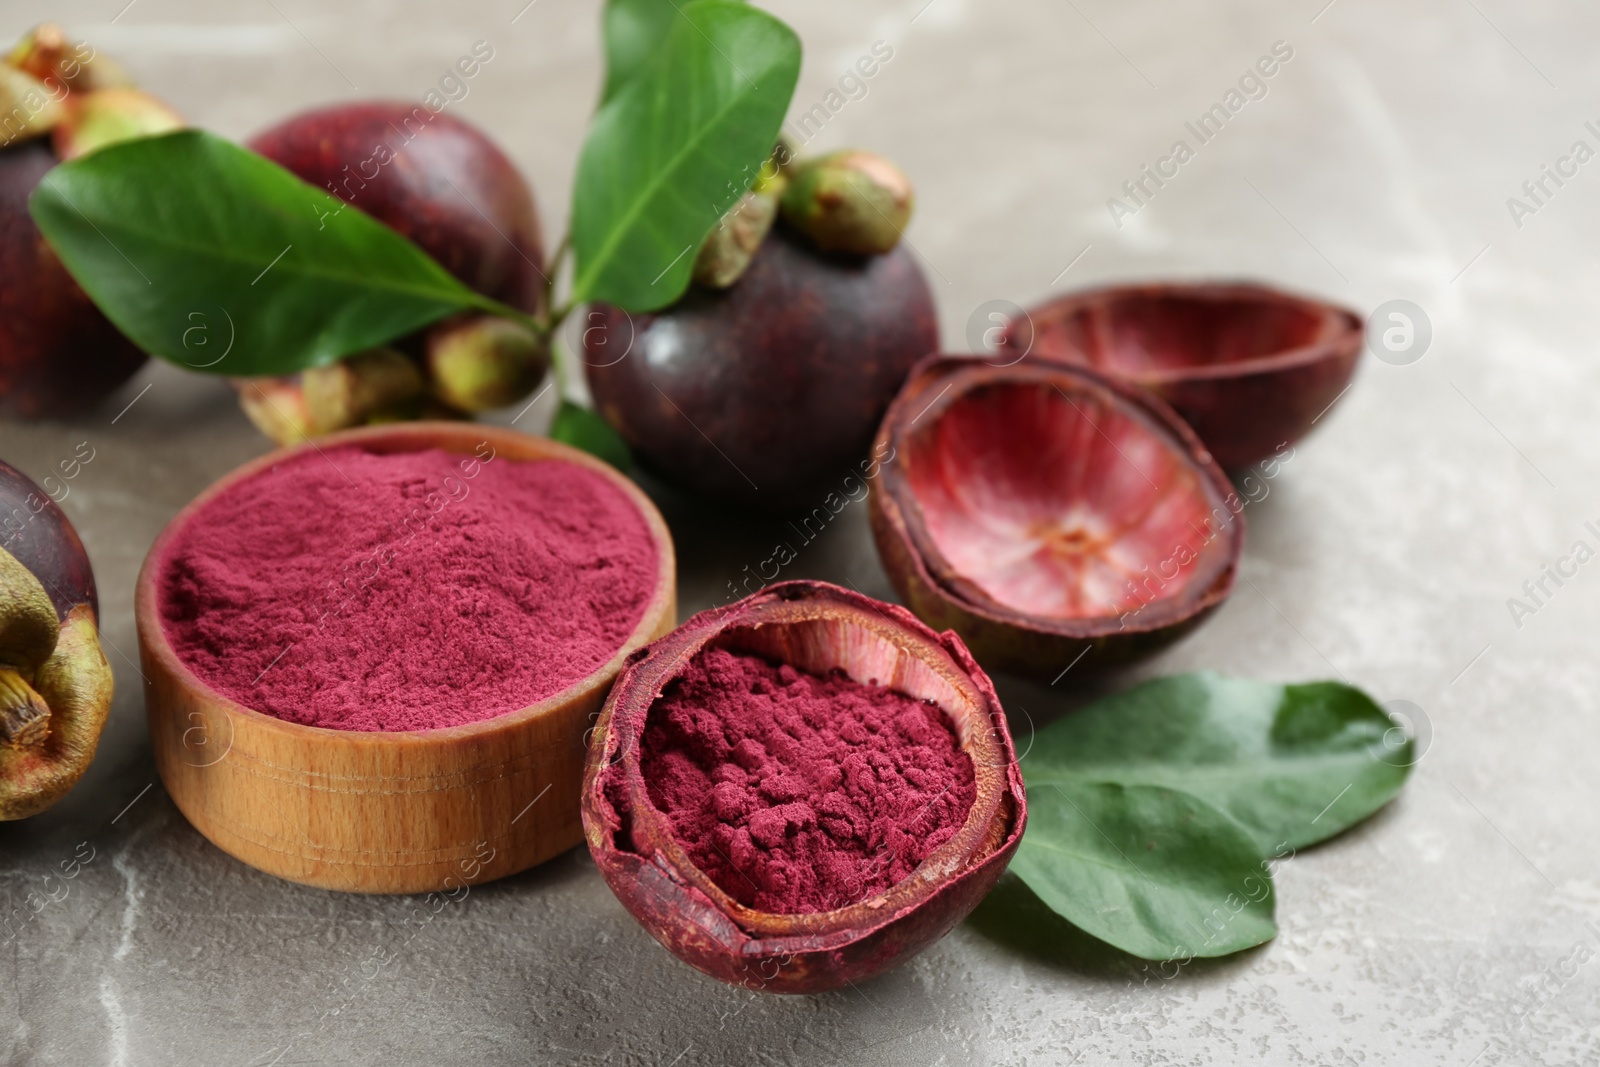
[1376,164]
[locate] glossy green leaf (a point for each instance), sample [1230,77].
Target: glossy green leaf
[210,256]
[674,148]
[1155,872]
[633,32]
[1293,763]
[582,428]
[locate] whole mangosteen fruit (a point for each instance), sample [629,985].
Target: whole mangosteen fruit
[432,177]
[55,684]
[443,184]
[58,353]
[767,392]
[58,100]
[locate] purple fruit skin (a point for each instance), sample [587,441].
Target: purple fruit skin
[767,393]
[34,529]
[445,185]
[58,353]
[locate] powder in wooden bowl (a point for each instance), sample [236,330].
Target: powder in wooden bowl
[358,590]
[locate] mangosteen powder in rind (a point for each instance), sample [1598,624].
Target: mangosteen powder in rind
[818,627]
[355,590]
[798,793]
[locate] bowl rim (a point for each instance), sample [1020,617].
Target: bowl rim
[1345,326]
[457,437]
[899,502]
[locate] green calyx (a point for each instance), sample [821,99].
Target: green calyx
[482,362]
[849,201]
[74,683]
[24,716]
[360,388]
[728,249]
[29,630]
[27,107]
[105,117]
[28,623]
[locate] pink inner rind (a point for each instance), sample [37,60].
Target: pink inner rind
[1062,502]
[1138,334]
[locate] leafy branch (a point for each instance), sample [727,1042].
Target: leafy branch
[171,232]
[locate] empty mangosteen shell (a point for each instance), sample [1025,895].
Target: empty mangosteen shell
[1000,638]
[1245,410]
[649,870]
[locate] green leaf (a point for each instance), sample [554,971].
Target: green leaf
[1294,764]
[1156,872]
[674,148]
[212,257]
[633,31]
[1014,916]
[582,428]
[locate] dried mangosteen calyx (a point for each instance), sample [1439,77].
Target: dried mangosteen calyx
[75,684]
[277,407]
[55,692]
[728,249]
[40,51]
[28,633]
[24,716]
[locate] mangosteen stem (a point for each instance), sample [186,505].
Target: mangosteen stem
[542,326]
[24,716]
[560,370]
[558,313]
[563,246]
[545,325]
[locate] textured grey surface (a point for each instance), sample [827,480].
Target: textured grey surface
[1376,167]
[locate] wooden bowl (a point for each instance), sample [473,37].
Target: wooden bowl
[396,812]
